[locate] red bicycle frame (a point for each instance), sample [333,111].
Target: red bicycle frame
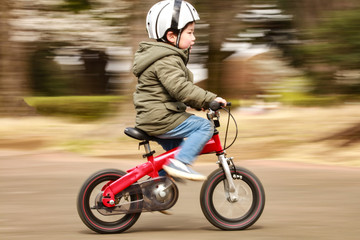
[151,168]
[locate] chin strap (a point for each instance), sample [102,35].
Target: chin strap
[178,38]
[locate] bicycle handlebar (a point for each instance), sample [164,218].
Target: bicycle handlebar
[214,105]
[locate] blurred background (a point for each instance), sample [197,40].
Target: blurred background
[291,69]
[73,58]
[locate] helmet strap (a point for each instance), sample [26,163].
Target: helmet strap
[178,38]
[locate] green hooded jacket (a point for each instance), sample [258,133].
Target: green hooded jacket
[165,88]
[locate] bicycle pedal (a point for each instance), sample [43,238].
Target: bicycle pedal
[176,179]
[166,212]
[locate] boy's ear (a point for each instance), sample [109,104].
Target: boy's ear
[171,37]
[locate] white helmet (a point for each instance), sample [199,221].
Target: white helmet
[169,14]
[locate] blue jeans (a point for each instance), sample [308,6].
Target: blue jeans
[197,131]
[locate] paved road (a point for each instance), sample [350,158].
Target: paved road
[38,201]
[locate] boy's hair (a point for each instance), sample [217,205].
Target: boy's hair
[164,38]
[175,31]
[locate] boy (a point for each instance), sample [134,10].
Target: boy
[165,87]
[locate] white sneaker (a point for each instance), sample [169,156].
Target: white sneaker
[178,169]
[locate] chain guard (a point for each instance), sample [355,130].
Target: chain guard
[154,194]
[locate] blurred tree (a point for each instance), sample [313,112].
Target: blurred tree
[331,53]
[308,13]
[330,44]
[46,76]
[12,68]
[219,15]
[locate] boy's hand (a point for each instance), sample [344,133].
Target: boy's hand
[221,101]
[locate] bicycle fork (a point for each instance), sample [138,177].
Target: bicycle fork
[230,189]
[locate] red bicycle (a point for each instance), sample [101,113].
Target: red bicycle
[111,200]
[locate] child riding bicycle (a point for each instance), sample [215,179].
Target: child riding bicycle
[165,87]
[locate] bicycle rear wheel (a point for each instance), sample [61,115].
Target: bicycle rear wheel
[227,215]
[100,218]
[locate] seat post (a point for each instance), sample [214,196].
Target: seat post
[147,148]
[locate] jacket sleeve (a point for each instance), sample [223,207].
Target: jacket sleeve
[174,76]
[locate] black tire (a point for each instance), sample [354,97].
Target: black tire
[224,214]
[90,215]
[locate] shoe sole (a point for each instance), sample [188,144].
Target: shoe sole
[180,174]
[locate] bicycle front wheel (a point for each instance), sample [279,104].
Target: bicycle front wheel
[226,214]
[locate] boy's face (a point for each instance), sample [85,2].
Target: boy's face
[187,39]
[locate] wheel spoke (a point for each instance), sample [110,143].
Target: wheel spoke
[229,209]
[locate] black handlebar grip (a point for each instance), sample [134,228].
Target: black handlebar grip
[214,105]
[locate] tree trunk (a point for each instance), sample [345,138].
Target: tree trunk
[221,27]
[12,69]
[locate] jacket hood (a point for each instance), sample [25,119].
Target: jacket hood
[150,52]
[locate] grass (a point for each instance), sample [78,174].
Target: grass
[84,108]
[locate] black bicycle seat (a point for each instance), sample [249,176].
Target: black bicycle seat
[137,134]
